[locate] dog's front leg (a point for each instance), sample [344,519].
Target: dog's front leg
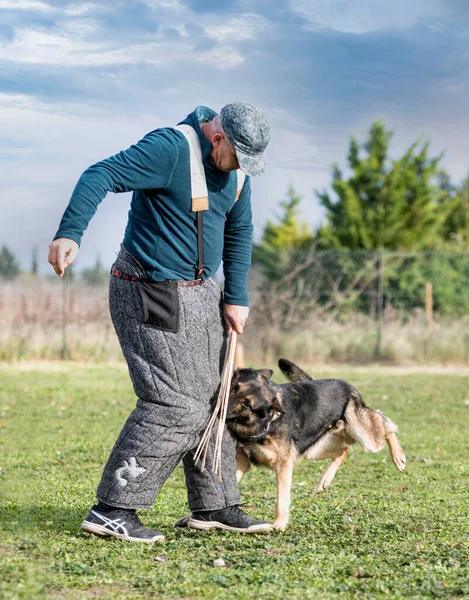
[284,471]
[242,463]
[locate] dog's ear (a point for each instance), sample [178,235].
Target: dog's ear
[266,373]
[293,372]
[276,405]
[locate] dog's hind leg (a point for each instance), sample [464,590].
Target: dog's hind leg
[284,471]
[373,430]
[242,463]
[329,473]
[397,454]
[365,426]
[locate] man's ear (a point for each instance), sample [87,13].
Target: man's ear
[217,139]
[266,373]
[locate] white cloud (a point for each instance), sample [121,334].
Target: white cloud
[75,41]
[222,57]
[72,47]
[78,43]
[363,16]
[171,4]
[239,28]
[77,9]
[23,5]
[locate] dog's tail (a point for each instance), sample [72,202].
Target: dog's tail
[372,430]
[292,372]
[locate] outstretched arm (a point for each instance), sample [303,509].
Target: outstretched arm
[149,164]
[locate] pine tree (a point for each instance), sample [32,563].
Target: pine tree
[34,266]
[456,228]
[282,241]
[386,204]
[96,275]
[289,233]
[9,266]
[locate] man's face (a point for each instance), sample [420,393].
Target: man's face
[224,154]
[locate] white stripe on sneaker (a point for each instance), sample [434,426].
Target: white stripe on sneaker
[117,525]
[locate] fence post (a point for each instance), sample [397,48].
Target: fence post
[64,354]
[429,305]
[379,305]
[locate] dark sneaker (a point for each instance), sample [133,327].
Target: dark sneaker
[121,524]
[229,519]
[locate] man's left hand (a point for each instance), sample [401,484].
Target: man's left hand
[235,317]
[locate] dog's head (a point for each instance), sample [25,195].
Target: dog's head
[254,401]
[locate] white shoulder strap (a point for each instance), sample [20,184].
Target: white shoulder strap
[199,191]
[241,177]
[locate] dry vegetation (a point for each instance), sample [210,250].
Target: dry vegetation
[46,318]
[42,318]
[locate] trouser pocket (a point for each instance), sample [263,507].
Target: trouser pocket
[160,304]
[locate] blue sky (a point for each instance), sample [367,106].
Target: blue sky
[82,80]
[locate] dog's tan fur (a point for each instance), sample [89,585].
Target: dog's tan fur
[360,424]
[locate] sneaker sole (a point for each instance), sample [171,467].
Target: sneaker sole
[103,532]
[204,525]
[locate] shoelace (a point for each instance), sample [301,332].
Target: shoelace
[126,515]
[236,511]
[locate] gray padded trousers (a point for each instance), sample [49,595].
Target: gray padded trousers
[176,377]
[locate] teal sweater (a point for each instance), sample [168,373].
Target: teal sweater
[161,231]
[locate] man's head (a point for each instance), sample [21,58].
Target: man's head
[239,136]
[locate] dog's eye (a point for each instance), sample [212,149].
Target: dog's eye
[246,405]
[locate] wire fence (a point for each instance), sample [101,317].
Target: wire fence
[306,305]
[359,305]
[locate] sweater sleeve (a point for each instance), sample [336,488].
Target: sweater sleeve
[149,164]
[237,249]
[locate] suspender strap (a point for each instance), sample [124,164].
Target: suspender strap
[199,269]
[199,191]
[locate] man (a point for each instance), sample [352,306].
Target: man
[172,330]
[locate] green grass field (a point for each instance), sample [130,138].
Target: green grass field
[375,534]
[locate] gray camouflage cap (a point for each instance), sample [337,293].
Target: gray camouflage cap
[248,131]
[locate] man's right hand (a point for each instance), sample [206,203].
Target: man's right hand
[62,252]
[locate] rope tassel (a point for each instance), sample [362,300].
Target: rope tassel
[219,412]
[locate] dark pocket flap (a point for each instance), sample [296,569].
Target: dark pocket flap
[160,304]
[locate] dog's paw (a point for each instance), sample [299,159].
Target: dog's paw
[320,489]
[280,524]
[399,460]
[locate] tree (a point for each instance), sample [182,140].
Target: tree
[456,227]
[276,253]
[383,203]
[34,266]
[9,266]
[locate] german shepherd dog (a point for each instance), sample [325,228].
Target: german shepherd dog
[277,424]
